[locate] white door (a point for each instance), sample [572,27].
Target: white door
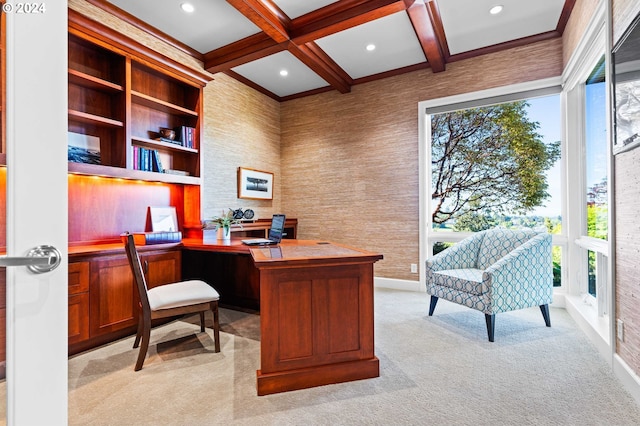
[36,121]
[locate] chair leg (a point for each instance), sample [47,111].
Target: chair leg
[216,325]
[202,321]
[139,332]
[145,343]
[491,325]
[432,305]
[545,314]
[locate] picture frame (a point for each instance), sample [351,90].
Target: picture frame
[83,148]
[625,90]
[255,184]
[163,219]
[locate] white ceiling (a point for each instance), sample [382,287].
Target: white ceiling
[467,26]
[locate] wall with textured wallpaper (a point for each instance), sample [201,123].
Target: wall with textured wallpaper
[350,161]
[627,227]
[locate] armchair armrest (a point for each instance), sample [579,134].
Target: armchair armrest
[461,255]
[524,274]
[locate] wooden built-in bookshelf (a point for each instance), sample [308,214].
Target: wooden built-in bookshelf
[123,94]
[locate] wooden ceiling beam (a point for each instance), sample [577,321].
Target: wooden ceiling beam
[246,50]
[341,16]
[267,16]
[422,19]
[315,58]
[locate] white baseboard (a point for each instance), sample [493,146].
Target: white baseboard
[596,328]
[627,376]
[396,284]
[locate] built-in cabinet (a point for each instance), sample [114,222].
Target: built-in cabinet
[103,299]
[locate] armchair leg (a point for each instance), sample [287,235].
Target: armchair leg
[491,325]
[432,305]
[545,314]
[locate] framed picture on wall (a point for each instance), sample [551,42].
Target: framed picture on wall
[626,89]
[255,184]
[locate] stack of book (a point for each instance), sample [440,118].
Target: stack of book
[146,159]
[185,136]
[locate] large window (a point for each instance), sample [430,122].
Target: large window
[596,174]
[497,165]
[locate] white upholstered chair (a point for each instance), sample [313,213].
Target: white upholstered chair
[494,271]
[184,297]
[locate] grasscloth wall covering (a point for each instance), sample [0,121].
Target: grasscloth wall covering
[350,161]
[242,129]
[627,194]
[580,16]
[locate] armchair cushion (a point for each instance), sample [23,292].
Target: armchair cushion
[467,280]
[498,243]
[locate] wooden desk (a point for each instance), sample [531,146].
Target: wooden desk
[316,316]
[316,308]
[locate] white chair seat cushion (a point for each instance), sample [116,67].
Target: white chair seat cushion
[181,293]
[468,280]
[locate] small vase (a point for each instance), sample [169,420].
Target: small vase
[224,233]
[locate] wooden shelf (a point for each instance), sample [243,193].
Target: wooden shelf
[91,82]
[160,105]
[151,143]
[122,173]
[93,119]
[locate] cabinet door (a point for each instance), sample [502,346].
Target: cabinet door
[78,318]
[162,268]
[78,301]
[113,301]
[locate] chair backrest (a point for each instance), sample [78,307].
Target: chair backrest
[138,274]
[498,242]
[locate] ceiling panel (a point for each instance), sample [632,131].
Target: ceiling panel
[469,25]
[395,41]
[213,24]
[266,73]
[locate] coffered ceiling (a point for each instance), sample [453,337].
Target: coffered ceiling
[331,45]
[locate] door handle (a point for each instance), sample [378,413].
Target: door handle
[39,260]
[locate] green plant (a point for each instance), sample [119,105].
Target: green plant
[225,220]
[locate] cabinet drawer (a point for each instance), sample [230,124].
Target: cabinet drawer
[78,277]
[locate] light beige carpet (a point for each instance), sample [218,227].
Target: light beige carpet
[438,370]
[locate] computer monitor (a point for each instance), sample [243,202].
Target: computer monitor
[277,228]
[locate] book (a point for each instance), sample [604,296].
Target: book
[176,172]
[148,238]
[157,164]
[185,135]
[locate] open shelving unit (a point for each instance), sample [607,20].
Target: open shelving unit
[123,97]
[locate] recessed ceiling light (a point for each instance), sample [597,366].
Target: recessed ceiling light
[284,73]
[187,7]
[496,9]
[371,47]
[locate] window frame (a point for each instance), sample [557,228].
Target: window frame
[519,91]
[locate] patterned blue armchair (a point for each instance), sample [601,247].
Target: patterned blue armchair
[493,271]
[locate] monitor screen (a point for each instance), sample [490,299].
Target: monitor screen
[277,227]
